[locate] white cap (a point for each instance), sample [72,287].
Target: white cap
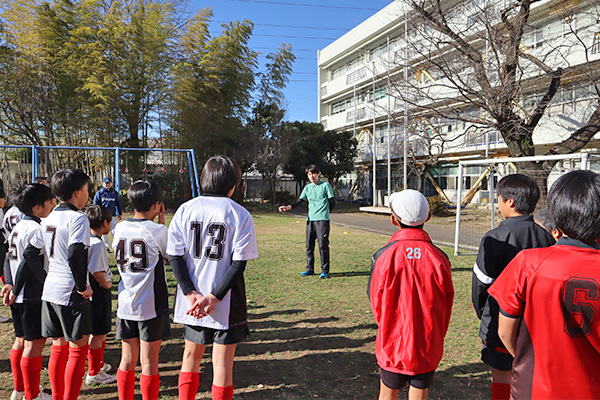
[411,206]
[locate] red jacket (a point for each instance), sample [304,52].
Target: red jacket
[411,295]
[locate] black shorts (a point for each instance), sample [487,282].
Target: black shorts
[154,329]
[101,311]
[27,319]
[71,322]
[202,335]
[396,381]
[496,356]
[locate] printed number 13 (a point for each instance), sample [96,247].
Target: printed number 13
[214,251]
[413,253]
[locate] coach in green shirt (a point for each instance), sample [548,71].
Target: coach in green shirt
[320,202]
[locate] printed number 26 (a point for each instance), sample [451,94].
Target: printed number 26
[413,253]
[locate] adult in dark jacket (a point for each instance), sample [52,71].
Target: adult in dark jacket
[109,198]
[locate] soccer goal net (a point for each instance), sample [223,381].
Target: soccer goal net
[477,179]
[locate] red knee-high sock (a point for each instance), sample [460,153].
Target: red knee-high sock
[126,384]
[32,368]
[75,371]
[15,365]
[500,391]
[222,392]
[150,386]
[95,360]
[57,364]
[188,385]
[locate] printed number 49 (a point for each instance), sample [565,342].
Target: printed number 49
[413,253]
[137,253]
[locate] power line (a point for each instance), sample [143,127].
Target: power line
[294,36]
[281,3]
[323,28]
[285,36]
[277,48]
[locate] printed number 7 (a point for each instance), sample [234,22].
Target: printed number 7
[413,253]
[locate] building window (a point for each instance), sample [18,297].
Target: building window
[356,76]
[569,25]
[596,44]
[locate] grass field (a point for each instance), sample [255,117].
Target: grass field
[310,337]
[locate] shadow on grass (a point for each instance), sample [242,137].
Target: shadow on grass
[273,313]
[272,324]
[351,273]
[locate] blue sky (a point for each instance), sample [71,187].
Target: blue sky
[307,25]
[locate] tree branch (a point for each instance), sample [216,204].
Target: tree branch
[541,106]
[580,137]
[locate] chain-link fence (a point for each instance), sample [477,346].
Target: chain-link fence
[473,220]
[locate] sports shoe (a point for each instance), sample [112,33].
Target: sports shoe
[17,395]
[324,275]
[307,273]
[3,319]
[100,378]
[106,367]
[43,396]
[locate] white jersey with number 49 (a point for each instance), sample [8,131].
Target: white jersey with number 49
[63,227]
[140,247]
[210,232]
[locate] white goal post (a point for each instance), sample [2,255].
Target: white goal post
[468,235]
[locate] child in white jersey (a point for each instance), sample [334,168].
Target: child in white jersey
[140,247]
[210,239]
[11,218]
[100,280]
[4,242]
[23,292]
[66,313]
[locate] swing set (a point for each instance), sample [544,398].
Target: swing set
[96,162]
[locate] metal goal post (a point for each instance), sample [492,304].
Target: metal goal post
[474,220]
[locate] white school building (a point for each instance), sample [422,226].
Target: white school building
[364,86]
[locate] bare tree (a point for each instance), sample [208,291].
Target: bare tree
[484,66]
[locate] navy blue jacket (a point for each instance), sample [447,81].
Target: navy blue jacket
[110,199]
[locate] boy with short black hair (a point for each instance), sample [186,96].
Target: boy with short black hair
[24,290]
[100,278]
[517,197]
[66,315]
[140,247]
[211,238]
[546,221]
[411,328]
[548,300]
